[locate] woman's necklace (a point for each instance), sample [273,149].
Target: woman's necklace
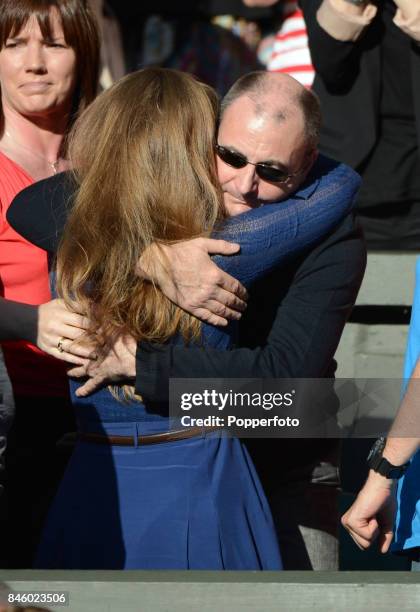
[53,165]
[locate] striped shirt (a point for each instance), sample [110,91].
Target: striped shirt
[290,51]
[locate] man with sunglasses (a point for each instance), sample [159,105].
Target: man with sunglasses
[264,170]
[266,146]
[264,154]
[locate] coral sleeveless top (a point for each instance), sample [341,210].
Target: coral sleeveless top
[24,278]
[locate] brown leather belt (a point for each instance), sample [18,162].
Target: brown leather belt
[157,438]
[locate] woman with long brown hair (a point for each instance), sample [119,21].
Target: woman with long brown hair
[138,492]
[49,60]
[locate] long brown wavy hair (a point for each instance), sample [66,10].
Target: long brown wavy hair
[144,159]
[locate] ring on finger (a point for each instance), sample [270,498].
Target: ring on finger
[60,345]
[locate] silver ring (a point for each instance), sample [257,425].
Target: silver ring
[60,345]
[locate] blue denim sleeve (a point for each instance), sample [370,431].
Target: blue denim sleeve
[274,233]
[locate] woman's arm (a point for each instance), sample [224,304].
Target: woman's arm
[18,321]
[325,200]
[275,233]
[39,212]
[44,326]
[268,236]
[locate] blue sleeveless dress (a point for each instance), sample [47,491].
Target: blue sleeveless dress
[195,503]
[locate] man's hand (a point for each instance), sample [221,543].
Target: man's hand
[60,331]
[372,514]
[407,17]
[186,275]
[116,362]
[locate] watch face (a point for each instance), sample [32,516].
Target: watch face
[377,449]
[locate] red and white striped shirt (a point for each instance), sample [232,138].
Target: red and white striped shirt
[291,51]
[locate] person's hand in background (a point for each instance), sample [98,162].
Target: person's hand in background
[407,18]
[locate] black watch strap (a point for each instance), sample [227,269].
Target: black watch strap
[382,466]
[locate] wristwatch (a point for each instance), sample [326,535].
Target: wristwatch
[382,466]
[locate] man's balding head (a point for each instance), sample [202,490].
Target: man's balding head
[268,119]
[279,95]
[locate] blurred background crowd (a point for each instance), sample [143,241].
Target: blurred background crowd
[367,84]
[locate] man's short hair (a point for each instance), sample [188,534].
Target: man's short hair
[254,84]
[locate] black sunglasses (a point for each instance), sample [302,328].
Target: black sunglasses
[264,171]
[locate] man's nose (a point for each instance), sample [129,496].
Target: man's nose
[35,59]
[247,179]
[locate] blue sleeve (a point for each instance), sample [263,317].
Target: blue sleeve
[274,233]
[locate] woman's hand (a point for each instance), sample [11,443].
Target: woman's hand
[60,333]
[116,363]
[187,276]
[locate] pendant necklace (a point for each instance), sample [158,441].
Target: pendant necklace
[53,165]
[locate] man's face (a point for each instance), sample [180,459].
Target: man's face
[260,139]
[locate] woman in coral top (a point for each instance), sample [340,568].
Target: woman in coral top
[49,54]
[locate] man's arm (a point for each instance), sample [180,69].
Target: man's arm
[304,335]
[372,514]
